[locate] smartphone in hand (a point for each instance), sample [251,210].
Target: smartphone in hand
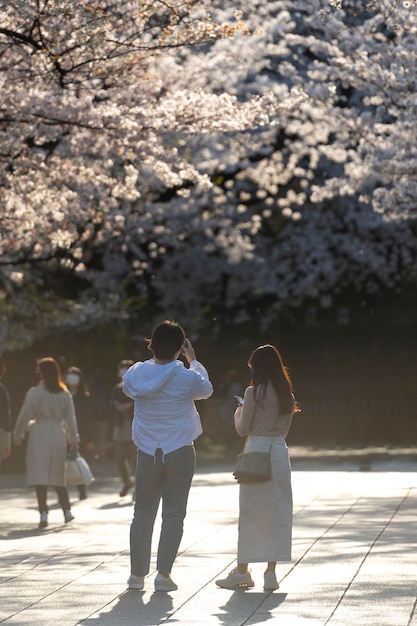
[239,399]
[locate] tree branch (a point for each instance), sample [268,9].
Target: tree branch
[20,38]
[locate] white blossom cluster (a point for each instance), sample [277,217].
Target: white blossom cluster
[200,156]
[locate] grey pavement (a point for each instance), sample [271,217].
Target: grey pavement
[354,550]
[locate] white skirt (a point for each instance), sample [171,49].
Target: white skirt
[265,509]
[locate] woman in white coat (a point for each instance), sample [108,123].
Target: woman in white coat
[49,416]
[265,509]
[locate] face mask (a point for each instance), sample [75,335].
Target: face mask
[72,379]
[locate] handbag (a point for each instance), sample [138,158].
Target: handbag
[253,467]
[78,470]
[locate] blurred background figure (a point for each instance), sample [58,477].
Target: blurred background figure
[76,382]
[229,389]
[49,416]
[5,416]
[122,416]
[100,382]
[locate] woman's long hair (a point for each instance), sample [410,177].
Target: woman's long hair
[266,365]
[51,375]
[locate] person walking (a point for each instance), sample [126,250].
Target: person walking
[124,448]
[265,508]
[5,416]
[165,425]
[48,413]
[76,382]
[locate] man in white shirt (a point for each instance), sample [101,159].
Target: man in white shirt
[165,425]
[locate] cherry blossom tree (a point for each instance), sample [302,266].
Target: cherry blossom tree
[180,158]
[327,192]
[90,130]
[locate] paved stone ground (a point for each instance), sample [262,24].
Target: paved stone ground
[354,551]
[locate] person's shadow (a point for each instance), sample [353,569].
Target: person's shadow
[239,607]
[131,608]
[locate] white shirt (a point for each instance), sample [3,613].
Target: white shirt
[165,415]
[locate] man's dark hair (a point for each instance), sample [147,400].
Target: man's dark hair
[167,339]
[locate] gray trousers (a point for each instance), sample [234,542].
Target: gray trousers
[159,477]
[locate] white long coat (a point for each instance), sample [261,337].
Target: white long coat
[51,422]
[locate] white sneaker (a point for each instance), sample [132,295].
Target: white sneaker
[164,584]
[136,582]
[43,523]
[236,580]
[68,516]
[270,581]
